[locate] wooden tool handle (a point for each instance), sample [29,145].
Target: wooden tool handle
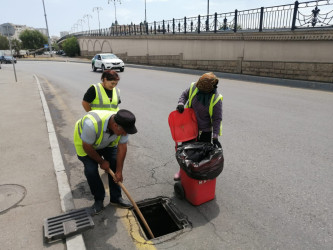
[134,204]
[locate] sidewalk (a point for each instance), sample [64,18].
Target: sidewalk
[28,182]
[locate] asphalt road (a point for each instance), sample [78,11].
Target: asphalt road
[276,191]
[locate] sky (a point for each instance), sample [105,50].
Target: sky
[65,15]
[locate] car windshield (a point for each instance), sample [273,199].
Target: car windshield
[110,56]
[8,57]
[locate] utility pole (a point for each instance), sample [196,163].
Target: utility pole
[98,9]
[47,30]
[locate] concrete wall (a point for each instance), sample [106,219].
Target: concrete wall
[306,55]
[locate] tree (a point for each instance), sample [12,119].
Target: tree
[55,46]
[16,46]
[71,46]
[4,44]
[33,39]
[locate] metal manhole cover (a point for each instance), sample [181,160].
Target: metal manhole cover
[10,195]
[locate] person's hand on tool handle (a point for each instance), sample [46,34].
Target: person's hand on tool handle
[105,165]
[118,177]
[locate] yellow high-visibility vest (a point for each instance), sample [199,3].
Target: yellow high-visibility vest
[214,99]
[98,117]
[102,101]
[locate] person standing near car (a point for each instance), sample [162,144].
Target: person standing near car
[104,95]
[206,102]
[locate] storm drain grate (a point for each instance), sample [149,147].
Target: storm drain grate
[162,216]
[68,224]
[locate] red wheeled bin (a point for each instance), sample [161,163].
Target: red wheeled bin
[184,128]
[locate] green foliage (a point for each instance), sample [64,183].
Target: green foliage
[55,46]
[16,45]
[4,44]
[33,39]
[71,46]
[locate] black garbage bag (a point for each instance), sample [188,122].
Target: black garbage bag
[200,160]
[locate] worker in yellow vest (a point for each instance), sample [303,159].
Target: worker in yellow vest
[100,139]
[104,95]
[206,102]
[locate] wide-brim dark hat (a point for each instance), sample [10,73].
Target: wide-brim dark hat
[126,119]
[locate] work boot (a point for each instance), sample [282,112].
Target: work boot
[121,203]
[97,207]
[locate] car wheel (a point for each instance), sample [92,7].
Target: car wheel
[103,67]
[122,70]
[93,67]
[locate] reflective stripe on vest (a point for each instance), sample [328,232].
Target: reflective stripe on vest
[98,118]
[215,98]
[102,101]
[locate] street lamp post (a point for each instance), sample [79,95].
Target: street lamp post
[115,9]
[76,26]
[87,16]
[47,30]
[11,52]
[207,7]
[207,20]
[80,21]
[98,9]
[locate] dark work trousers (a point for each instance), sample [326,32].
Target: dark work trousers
[94,180]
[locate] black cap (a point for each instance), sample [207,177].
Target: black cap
[126,120]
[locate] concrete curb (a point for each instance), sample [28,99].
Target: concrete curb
[65,193]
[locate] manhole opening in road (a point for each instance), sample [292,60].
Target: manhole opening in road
[162,217]
[10,195]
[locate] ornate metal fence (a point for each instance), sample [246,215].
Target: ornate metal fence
[307,15]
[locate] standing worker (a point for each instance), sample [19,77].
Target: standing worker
[206,102]
[105,95]
[100,139]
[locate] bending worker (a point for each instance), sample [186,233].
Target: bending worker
[206,102]
[100,139]
[105,95]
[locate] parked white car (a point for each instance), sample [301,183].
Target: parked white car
[107,61]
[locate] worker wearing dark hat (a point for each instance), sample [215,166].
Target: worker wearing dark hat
[100,139]
[206,102]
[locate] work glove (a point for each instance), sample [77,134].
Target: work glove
[180,108]
[216,143]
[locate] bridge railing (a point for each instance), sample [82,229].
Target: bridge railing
[306,15]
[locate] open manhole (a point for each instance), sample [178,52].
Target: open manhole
[162,216]
[10,195]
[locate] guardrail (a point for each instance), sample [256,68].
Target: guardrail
[307,15]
